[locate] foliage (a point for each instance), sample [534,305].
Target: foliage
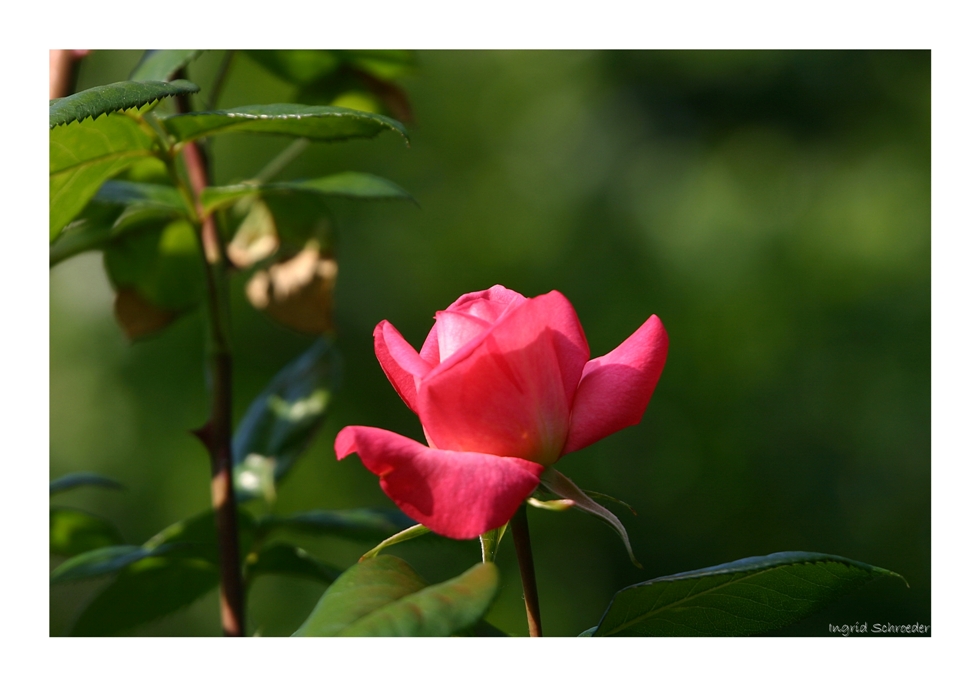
[122,185]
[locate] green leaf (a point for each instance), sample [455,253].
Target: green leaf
[77,479]
[559,484]
[163,265]
[749,596]
[142,194]
[197,537]
[90,230]
[161,65]
[73,532]
[284,419]
[321,123]
[588,632]
[302,67]
[113,97]
[147,590]
[482,629]
[490,543]
[83,156]
[384,596]
[283,558]
[102,561]
[362,524]
[355,185]
[402,536]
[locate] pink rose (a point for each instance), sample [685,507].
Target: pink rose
[504,387]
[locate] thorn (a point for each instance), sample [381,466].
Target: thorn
[203,434]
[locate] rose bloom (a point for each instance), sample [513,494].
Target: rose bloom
[504,387]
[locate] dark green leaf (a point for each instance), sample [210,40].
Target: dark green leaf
[482,629]
[101,561]
[384,596]
[133,193]
[749,596]
[89,231]
[147,590]
[362,524]
[559,484]
[163,265]
[402,536]
[355,185]
[297,66]
[321,123]
[197,537]
[83,156]
[161,65]
[76,479]
[112,97]
[284,419]
[283,558]
[588,632]
[73,532]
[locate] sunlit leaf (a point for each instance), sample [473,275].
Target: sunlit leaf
[283,420]
[147,590]
[402,536]
[749,596]
[84,155]
[384,596]
[321,123]
[362,524]
[289,560]
[112,97]
[355,185]
[161,65]
[73,532]
[554,481]
[77,479]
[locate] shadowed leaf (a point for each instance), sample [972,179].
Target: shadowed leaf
[160,65]
[290,560]
[77,479]
[354,185]
[73,532]
[283,420]
[749,596]
[362,524]
[406,535]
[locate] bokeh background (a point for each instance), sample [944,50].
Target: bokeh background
[773,208]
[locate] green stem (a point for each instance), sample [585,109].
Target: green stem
[522,543]
[279,162]
[219,80]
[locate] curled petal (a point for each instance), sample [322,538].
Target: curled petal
[455,494]
[509,390]
[615,389]
[401,364]
[488,305]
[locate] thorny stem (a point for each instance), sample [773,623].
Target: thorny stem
[216,434]
[522,543]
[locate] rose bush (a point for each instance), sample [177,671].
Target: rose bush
[504,387]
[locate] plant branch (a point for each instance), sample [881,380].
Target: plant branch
[522,543]
[280,161]
[219,80]
[216,434]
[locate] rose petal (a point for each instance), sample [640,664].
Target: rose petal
[456,329]
[616,388]
[401,364]
[488,305]
[509,390]
[456,494]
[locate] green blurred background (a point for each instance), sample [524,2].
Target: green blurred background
[773,208]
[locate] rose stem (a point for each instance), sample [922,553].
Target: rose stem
[522,543]
[216,434]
